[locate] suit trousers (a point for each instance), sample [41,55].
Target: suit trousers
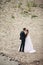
[22,45]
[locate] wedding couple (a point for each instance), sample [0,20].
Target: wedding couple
[26,44]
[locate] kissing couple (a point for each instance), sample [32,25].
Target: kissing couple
[26,43]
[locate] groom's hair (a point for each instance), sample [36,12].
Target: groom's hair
[24,29]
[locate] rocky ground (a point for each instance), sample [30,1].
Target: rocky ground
[6,60]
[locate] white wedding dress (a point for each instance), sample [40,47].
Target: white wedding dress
[28,45]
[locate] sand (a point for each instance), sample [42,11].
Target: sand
[11,24]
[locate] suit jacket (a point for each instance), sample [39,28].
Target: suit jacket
[22,35]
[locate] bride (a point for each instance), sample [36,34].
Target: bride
[28,44]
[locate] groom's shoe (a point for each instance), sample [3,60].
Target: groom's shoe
[19,51]
[22,50]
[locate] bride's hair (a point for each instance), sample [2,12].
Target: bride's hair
[27,31]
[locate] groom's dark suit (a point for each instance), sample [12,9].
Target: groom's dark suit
[22,38]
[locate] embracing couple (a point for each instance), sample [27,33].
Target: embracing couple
[26,44]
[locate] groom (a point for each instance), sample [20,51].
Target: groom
[22,38]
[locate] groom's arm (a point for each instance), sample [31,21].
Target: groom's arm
[20,35]
[25,35]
